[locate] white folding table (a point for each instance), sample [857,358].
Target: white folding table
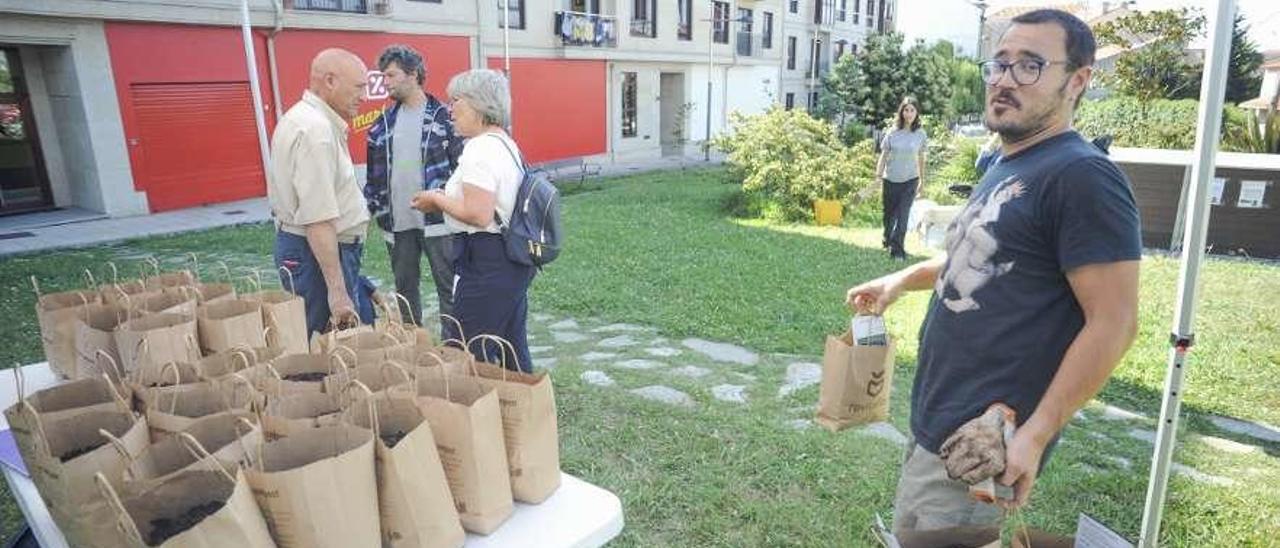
[577,515]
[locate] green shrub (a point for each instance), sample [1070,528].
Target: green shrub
[786,159]
[1160,123]
[1254,135]
[960,169]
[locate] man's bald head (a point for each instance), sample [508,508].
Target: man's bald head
[338,77]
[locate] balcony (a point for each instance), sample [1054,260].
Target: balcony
[643,28]
[586,29]
[684,31]
[823,66]
[339,6]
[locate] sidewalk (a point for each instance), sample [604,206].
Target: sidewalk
[79,228]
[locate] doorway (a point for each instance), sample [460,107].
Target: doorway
[24,183]
[673,116]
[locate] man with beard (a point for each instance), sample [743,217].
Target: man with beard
[1034,301]
[412,147]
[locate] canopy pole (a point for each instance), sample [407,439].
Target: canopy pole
[251,61]
[1182,338]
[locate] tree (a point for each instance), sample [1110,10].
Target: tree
[839,99]
[968,91]
[1244,78]
[1154,64]
[882,79]
[929,79]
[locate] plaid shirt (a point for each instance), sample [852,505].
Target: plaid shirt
[441,148]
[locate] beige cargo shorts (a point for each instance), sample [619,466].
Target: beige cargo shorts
[927,499]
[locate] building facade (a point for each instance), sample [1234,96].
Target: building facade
[134,106]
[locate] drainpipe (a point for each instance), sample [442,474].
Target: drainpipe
[271,57]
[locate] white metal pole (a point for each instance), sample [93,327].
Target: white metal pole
[251,61]
[711,60]
[1212,89]
[506,59]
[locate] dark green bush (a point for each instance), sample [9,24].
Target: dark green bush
[1160,123]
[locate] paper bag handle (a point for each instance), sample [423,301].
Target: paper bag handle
[392,364]
[368,398]
[417,390]
[198,451]
[461,336]
[155,265]
[115,366]
[26,406]
[504,345]
[127,473]
[289,273]
[123,522]
[400,299]
[195,266]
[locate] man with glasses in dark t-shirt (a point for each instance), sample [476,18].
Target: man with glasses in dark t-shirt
[1036,298]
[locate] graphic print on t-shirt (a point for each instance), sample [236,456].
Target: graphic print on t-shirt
[972,246]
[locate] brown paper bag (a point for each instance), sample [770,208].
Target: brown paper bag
[230,323]
[856,382]
[56,314]
[387,377]
[213,293]
[175,300]
[150,383]
[156,339]
[371,348]
[413,494]
[167,280]
[467,424]
[292,373]
[95,331]
[230,439]
[217,366]
[528,405]
[285,316]
[62,462]
[300,411]
[124,293]
[179,409]
[220,502]
[317,488]
[53,404]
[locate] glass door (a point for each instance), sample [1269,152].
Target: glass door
[23,182]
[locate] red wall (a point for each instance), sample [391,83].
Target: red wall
[142,53]
[558,107]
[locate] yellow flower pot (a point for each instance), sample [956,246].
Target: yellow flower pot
[828,212]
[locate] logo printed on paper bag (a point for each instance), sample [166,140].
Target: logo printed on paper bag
[876,384]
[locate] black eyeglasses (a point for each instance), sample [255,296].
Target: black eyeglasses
[1025,72]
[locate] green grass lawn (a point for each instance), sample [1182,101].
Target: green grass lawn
[656,250]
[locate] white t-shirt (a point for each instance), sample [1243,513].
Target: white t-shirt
[488,165]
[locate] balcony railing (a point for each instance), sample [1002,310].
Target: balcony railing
[684,31]
[586,29]
[823,66]
[341,6]
[643,28]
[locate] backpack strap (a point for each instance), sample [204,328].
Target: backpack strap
[497,219]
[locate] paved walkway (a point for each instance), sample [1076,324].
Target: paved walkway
[74,227]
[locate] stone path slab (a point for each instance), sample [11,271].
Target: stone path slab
[639,364]
[799,376]
[1259,430]
[664,394]
[597,378]
[691,371]
[568,337]
[662,352]
[722,352]
[621,341]
[598,356]
[732,393]
[884,430]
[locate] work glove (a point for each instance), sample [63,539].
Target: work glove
[976,451]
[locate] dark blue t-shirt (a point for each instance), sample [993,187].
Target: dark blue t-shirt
[1002,313]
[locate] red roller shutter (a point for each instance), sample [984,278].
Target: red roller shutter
[197,144]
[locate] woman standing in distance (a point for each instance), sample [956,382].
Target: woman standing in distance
[901,171]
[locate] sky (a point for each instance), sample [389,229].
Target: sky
[957,20]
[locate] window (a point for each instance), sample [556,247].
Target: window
[1253,194]
[813,101]
[685,29]
[746,22]
[856,5]
[843,13]
[766,37]
[839,50]
[515,11]
[629,104]
[644,18]
[791,101]
[794,6]
[720,23]
[853,49]
[871,13]
[791,53]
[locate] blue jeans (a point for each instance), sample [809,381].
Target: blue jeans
[490,296]
[307,281]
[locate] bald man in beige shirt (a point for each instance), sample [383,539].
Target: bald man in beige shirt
[319,210]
